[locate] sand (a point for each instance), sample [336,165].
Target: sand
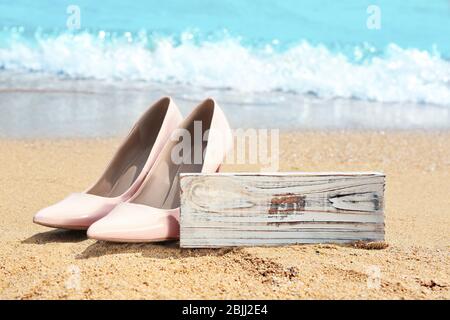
[37,262]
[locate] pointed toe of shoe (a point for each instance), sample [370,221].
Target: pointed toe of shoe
[55,218]
[130,222]
[77,211]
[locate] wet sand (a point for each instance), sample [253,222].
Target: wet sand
[34,105]
[38,262]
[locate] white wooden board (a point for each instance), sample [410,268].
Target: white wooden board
[246,209]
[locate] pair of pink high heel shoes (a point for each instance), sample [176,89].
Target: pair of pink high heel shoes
[137,197]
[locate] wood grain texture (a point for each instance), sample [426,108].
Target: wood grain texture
[245,209]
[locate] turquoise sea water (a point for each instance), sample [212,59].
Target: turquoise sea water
[336,24]
[319,48]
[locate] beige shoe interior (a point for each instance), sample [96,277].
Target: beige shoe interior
[161,190]
[132,156]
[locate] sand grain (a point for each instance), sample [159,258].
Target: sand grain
[37,262]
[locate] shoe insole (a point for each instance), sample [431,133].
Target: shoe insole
[131,158]
[162,187]
[122,175]
[162,191]
[129,174]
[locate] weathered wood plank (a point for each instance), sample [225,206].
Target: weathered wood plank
[243,209]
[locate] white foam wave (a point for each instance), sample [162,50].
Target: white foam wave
[399,75]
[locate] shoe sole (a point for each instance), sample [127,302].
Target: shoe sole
[135,240]
[65,227]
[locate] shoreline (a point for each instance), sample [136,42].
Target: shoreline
[52,107]
[330,131]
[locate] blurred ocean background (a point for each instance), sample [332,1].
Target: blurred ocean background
[281,64]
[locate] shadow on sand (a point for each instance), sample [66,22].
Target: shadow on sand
[58,235]
[159,250]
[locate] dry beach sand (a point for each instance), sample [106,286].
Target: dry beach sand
[38,262]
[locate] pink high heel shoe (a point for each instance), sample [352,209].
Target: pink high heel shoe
[152,214]
[123,176]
